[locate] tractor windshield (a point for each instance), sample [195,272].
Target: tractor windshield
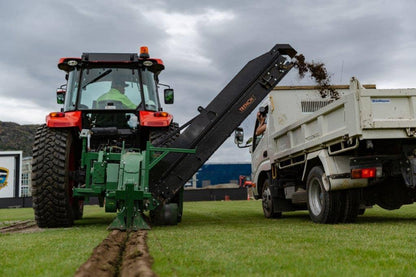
[111,88]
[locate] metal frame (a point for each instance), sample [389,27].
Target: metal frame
[128,191]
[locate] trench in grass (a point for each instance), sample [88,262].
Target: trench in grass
[228,238]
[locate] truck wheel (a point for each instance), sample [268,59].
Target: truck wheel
[52,182]
[350,205]
[267,201]
[324,206]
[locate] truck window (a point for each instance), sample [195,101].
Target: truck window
[256,138]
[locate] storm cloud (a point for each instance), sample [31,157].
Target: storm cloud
[203,45]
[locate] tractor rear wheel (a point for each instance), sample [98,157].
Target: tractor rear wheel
[167,214]
[54,161]
[164,136]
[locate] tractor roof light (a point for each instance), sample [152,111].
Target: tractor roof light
[144,52]
[72,63]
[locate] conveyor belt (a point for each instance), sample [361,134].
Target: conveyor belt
[215,123]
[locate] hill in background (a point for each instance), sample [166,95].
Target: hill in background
[17,137]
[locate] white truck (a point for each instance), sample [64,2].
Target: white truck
[335,157]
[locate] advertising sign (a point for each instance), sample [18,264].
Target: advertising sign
[10,163]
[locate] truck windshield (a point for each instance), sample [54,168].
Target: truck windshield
[111,88]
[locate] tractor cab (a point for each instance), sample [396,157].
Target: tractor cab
[113,94]
[111,88]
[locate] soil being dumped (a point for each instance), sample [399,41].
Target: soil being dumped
[318,73]
[120,254]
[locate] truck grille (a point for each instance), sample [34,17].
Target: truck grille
[312,106]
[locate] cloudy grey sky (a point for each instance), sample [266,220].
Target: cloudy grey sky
[202,43]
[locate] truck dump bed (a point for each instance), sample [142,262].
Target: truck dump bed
[302,121]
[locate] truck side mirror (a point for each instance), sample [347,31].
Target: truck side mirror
[239,136]
[168,93]
[60,95]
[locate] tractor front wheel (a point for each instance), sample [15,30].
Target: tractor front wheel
[54,161]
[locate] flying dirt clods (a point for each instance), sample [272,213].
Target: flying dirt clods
[319,73]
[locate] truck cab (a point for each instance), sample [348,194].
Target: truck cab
[260,161]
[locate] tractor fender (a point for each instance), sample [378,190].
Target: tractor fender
[64,120]
[155,119]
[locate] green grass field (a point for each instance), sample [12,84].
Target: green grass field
[229,238]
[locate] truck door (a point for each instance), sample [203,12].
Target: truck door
[259,156]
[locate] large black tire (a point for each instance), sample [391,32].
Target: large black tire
[324,206]
[350,205]
[268,202]
[178,199]
[164,214]
[54,159]
[163,137]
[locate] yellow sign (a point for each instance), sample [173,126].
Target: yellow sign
[4,173]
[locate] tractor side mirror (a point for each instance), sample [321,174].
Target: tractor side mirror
[168,93]
[60,95]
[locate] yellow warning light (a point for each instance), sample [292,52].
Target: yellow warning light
[144,52]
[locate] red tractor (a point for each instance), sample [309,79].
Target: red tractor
[110,104]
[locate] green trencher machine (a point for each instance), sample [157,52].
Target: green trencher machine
[123,177]
[134,159]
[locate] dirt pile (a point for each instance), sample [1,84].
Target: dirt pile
[120,254]
[318,73]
